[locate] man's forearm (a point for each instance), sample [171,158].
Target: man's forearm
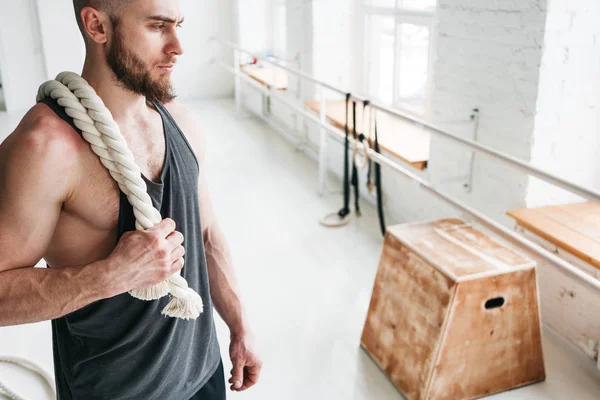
[38,294]
[223,284]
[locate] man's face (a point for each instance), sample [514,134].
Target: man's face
[145,46]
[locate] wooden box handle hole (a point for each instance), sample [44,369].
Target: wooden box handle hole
[494,303]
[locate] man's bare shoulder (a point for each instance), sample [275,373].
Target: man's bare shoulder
[41,129]
[190,125]
[42,141]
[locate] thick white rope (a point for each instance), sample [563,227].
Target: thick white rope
[89,114]
[5,391]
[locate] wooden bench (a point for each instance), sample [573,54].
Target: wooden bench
[398,137]
[571,232]
[270,76]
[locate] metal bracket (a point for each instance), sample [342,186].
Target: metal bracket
[266,104]
[323,144]
[468,185]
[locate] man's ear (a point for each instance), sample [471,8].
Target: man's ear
[96,24]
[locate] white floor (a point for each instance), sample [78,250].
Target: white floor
[306,288]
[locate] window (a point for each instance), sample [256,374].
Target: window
[381,58]
[278,34]
[419,5]
[253,33]
[263,28]
[398,46]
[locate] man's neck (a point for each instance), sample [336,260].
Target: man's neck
[126,107]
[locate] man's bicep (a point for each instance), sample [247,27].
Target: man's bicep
[34,183]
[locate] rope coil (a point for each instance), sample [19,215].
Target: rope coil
[5,391]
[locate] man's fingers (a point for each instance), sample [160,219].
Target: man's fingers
[165,227]
[252,374]
[175,238]
[238,375]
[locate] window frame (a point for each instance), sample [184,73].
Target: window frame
[402,16]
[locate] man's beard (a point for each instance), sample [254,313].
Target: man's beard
[131,72]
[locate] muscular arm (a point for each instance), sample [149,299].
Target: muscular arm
[36,177]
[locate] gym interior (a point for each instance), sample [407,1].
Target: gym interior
[410,189]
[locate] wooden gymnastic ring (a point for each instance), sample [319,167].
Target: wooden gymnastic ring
[365,146]
[326,220]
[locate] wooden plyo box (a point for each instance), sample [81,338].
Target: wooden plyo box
[454,314]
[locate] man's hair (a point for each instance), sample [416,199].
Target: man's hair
[113,8]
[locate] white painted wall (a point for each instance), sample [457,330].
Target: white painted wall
[566,138]
[33,50]
[195,76]
[21,57]
[62,43]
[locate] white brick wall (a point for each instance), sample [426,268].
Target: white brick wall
[487,56]
[566,140]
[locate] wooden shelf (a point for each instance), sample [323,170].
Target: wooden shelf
[399,137]
[574,228]
[267,75]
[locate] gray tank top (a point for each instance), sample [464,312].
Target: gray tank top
[124,348]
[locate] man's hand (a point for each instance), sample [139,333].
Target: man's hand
[246,363]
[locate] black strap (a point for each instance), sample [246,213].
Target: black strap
[369,173]
[345,210]
[370,162]
[58,109]
[354,170]
[378,184]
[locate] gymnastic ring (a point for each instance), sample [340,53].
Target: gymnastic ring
[327,220]
[365,146]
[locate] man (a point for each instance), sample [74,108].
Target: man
[58,202]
